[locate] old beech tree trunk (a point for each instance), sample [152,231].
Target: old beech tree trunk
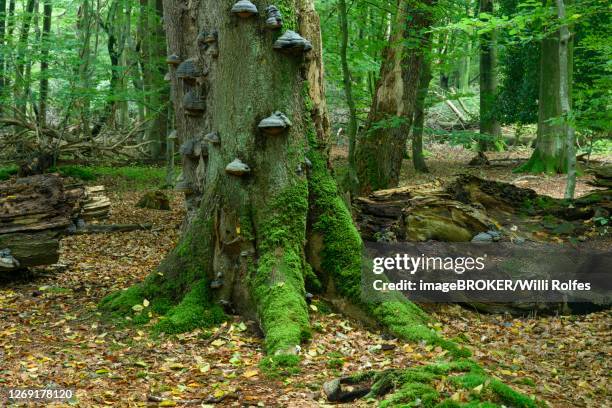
[252,244]
[381,147]
[550,154]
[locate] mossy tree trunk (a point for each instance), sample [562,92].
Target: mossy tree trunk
[382,145]
[550,154]
[254,243]
[490,128]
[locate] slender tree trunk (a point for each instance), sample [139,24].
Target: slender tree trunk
[351,180]
[19,89]
[44,63]
[419,118]
[489,124]
[84,32]
[381,148]
[551,155]
[157,92]
[3,21]
[565,101]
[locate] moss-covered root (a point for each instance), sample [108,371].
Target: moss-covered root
[177,292]
[277,280]
[539,163]
[341,260]
[465,385]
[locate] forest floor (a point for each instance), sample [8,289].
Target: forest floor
[51,333]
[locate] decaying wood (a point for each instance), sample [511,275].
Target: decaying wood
[464,208]
[37,211]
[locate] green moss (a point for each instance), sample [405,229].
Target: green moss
[8,171]
[538,163]
[193,312]
[280,365]
[278,282]
[177,291]
[287,9]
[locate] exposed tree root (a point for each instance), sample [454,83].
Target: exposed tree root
[458,383]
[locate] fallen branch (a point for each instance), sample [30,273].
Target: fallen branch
[107,228]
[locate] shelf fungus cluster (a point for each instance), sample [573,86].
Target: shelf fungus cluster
[189,71]
[274,18]
[194,149]
[292,43]
[194,105]
[207,38]
[237,168]
[212,138]
[275,124]
[244,9]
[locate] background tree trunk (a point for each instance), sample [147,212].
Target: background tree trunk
[419,118]
[44,64]
[564,99]
[19,88]
[2,36]
[550,154]
[489,124]
[351,180]
[381,148]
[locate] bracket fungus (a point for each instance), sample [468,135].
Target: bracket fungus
[275,124]
[205,38]
[212,138]
[173,60]
[189,71]
[274,19]
[194,149]
[173,135]
[244,9]
[193,104]
[237,168]
[292,43]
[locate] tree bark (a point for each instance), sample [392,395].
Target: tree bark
[550,154]
[257,241]
[381,147]
[2,35]
[564,99]
[419,118]
[44,64]
[351,180]
[490,128]
[20,85]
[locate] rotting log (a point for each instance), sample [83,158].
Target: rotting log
[469,206]
[37,211]
[34,212]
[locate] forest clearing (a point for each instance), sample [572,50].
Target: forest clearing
[305,203]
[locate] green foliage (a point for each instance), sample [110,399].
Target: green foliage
[282,365]
[8,171]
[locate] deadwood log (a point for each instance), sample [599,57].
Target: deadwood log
[34,213]
[37,211]
[468,206]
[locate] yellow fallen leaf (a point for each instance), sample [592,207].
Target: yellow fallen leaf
[167,403]
[218,343]
[478,388]
[145,303]
[250,373]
